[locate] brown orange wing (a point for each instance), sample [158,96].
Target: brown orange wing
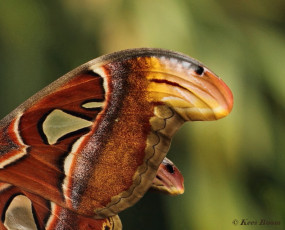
[92,141]
[24,210]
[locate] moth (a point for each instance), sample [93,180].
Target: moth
[91,143]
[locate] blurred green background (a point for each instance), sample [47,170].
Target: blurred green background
[234,167]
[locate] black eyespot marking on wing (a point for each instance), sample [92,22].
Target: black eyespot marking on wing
[169,168]
[199,70]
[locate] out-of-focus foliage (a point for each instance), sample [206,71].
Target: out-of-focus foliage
[233,168]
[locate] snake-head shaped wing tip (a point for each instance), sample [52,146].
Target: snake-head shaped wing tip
[187,86]
[168,179]
[221,102]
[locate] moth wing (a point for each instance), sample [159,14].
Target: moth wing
[23,210]
[92,141]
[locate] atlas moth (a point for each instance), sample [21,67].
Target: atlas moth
[90,144]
